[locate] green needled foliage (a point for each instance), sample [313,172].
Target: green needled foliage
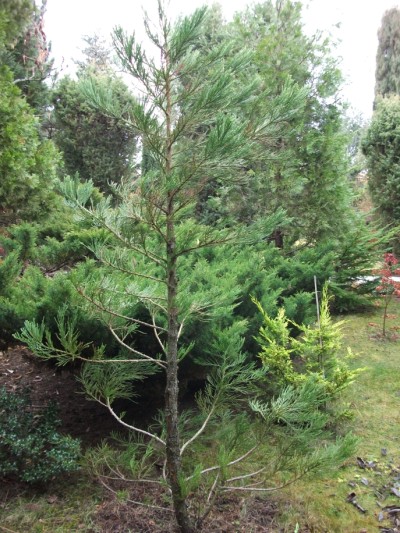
[15,16]
[29,60]
[316,353]
[95,146]
[28,166]
[387,73]
[307,171]
[25,51]
[381,146]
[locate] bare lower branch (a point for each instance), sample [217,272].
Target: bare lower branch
[253,489]
[181,328]
[129,426]
[136,352]
[110,361]
[200,431]
[121,477]
[157,335]
[212,495]
[130,272]
[250,488]
[205,423]
[237,478]
[212,488]
[134,501]
[164,471]
[114,471]
[117,315]
[234,462]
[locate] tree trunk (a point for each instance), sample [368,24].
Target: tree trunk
[172,392]
[173,452]
[278,238]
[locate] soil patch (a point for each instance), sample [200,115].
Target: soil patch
[87,420]
[231,514]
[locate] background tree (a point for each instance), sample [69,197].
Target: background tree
[31,64]
[307,173]
[380,144]
[356,127]
[387,73]
[381,147]
[308,152]
[15,16]
[95,145]
[27,55]
[97,55]
[28,166]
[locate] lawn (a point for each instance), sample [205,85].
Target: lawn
[369,482]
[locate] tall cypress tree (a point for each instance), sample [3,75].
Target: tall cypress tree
[387,74]
[25,50]
[308,174]
[381,142]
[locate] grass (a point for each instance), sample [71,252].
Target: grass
[316,506]
[321,506]
[67,505]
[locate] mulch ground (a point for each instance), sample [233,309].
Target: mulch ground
[88,420]
[230,514]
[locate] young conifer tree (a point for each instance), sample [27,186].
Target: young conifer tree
[191,129]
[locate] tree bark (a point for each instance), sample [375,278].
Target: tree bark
[173,452]
[278,238]
[171,397]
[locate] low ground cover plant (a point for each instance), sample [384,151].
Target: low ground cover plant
[31,448]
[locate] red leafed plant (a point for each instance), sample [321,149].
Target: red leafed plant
[388,286]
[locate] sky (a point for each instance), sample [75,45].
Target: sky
[67,21]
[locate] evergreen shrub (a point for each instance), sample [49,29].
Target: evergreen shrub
[316,353]
[31,448]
